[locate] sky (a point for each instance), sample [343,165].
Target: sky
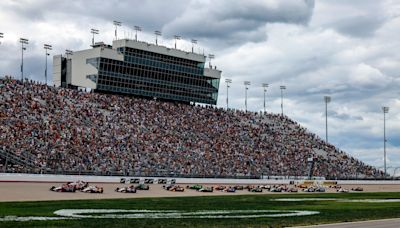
[348,50]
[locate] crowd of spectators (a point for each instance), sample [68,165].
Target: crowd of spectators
[61,129]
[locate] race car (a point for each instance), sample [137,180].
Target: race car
[309,189]
[267,187]
[292,190]
[63,188]
[230,189]
[239,187]
[168,186]
[130,189]
[142,187]
[358,189]
[79,185]
[342,190]
[319,189]
[255,189]
[92,189]
[248,187]
[220,188]
[195,187]
[283,188]
[302,186]
[206,189]
[176,188]
[335,187]
[275,189]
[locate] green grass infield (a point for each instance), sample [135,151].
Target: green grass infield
[207,211]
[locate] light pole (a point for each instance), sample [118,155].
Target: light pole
[23,41]
[265,86]
[246,84]
[46,47]
[94,31]
[176,37]
[282,87]
[157,33]
[116,24]
[193,43]
[210,56]
[327,99]
[385,110]
[137,28]
[228,81]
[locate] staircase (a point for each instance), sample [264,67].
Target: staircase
[310,167]
[24,161]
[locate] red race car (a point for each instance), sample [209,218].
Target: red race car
[63,188]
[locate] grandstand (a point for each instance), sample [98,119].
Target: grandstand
[46,129]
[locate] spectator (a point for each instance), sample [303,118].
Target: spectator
[69,130]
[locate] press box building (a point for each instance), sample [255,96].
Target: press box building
[140,69]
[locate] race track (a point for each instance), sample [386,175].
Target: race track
[30,191]
[384,223]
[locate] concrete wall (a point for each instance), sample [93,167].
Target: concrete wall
[12,177]
[57,70]
[80,69]
[212,73]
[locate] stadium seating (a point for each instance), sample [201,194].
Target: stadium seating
[64,130]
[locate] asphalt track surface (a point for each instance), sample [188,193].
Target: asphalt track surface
[22,191]
[384,223]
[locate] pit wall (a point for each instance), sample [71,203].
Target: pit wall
[13,177]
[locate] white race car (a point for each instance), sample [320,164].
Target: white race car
[130,189]
[78,185]
[343,190]
[93,189]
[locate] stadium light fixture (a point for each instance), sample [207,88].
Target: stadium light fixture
[68,53]
[137,29]
[157,33]
[1,36]
[193,43]
[94,31]
[116,24]
[23,48]
[227,81]
[282,87]
[327,99]
[246,87]
[177,37]
[211,56]
[47,47]
[385,110]
[265,86]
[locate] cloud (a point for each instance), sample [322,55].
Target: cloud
[359,25]
[359,18]
[233,22]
